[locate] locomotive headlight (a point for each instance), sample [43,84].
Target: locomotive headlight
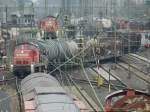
[49,23]
[22,51]
[11,67]
[32,68]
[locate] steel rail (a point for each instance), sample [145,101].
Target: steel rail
[139,76]
[123,84]
[79,90]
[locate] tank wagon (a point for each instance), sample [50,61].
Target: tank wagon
[42,93]
[127,100]
[35,56]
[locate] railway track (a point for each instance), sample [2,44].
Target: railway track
[94,82]
[19,93]
[135,64]
[109,78]
[140,58]
[115,84]
[135,72]
[12,86]
[114,81]
[75,82]
[93,74]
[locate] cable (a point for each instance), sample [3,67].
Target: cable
[66,54]
[3,99]
[101,106]
[74,83]
[65,75]
[68,60]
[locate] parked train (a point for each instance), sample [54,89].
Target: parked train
[133,24]
[49,27]
[131,41]
[145,41]
[35,56]
[43,93]
[128,100]
[26,59]
[136,38]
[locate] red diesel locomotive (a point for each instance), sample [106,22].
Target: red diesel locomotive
[49,24]
[26,59]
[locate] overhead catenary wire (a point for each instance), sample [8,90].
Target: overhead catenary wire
[3,99]
[66,54]
[95,94]
[62,83]
[53,49]
[68,80]
[67,76]
[97,63]
[68,60]
[18,92]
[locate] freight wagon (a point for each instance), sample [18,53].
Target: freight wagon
[43,93]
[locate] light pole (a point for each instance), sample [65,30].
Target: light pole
[46,3]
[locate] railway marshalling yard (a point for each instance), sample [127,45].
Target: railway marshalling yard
[91,83]
[74,55]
